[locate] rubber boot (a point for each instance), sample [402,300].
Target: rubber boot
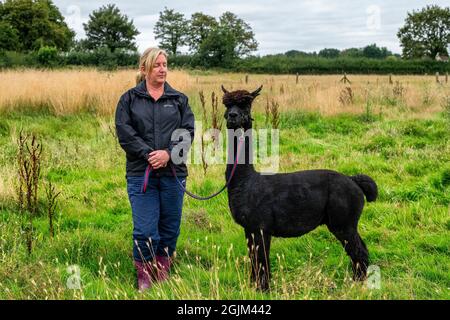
[144,275]
[163,267]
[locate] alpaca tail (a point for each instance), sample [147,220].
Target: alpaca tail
[367,185]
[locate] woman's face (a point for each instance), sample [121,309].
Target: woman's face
[159,73]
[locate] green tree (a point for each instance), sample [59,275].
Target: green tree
[329,53]
[34,23]
[9,37]
[352,53]
[171,29]
[107,27]
[426,33]
[375,52]
[217,50]
[297,53]
[200,27]
[47,56]
[230,39]
[240,33]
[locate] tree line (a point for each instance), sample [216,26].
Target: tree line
[34,33]
[211,42]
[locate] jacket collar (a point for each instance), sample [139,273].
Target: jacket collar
[141,90]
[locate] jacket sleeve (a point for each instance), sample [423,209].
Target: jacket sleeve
[188,124]
[129,139]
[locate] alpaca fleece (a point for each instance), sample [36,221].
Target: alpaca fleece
[291,204]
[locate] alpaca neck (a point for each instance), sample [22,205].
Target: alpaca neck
[244,168]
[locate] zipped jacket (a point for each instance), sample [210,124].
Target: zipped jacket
[144,125]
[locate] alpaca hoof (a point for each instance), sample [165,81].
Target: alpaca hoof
[359,273]
[264,289]
[263,286]
[359,277]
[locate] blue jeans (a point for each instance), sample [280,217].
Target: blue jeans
[156,215]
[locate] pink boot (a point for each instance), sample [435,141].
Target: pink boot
[144,278]
[163,267]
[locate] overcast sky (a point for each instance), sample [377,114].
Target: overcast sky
[279,25]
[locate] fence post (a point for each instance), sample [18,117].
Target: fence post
[345,79]
[296,79]
[437,77]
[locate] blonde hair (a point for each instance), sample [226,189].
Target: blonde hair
[147,60]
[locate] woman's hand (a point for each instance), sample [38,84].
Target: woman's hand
[158,159]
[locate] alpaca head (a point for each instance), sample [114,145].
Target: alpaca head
[238,107]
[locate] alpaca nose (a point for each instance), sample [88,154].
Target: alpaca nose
[233,115]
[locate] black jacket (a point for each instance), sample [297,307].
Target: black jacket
[144,125]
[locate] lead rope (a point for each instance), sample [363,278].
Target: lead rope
[149,169]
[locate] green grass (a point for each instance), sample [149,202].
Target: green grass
[406,229]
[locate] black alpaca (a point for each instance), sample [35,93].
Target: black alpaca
[290,204]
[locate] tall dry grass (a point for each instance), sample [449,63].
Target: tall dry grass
[71,91]
[321,93]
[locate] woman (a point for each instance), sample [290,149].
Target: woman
[146,118]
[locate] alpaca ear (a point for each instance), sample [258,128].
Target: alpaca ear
[224,90]
[255,93]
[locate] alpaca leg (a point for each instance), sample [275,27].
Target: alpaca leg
[357,251]
[259,251]
[251,252]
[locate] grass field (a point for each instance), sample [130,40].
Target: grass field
[397,133]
